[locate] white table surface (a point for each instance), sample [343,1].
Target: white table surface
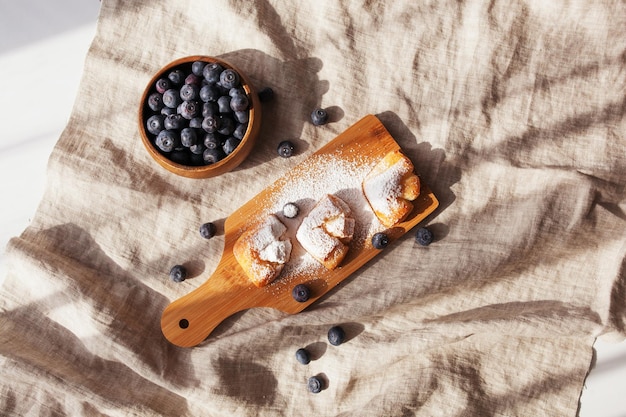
[45,42]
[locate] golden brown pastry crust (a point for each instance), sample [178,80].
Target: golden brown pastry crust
[261,253]
[325,233]
[390,187]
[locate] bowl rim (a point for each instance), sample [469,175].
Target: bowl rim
[229,162]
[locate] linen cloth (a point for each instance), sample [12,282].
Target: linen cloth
[513,114]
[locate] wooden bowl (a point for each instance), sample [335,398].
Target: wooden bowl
[201,171]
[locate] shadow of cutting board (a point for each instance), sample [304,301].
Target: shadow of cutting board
[337,168]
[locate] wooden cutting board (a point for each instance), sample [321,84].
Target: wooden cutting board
[337,168]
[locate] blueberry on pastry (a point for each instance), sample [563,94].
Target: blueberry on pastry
[390,187]
[261,252]
[327,230]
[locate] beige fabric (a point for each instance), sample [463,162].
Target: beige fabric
[513,113]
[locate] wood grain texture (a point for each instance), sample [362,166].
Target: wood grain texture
[190,319]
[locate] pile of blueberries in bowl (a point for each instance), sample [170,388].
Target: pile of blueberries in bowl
[199,117]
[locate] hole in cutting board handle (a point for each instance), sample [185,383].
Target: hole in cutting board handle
[183,323]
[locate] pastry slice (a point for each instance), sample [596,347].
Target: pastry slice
[390,187]
[327,230]
[261,252]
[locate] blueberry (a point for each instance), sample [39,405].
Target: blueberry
[174,121]
[154,124]
[423,236]
[197,67]
[223,103]
[155,101]
[188,136]
[210,109]
[211,124]
[380,240]
[303,356]
[176,77]
[239,102]
[171,98]
[209,92]
[230,144]
[166,111]
[315,384]
[242,116]
[212,156]
[240,130]
[211,141]
[285,149]
[167,140]
[162,85]
[227,126]
[237,91]
[189,92]
[319,117]
[266,94]
[301,293]
[336,336]
[178,273]
[229,78]
[189,109]
[193,79]
[212,71]
[290,210]
[197,148]
[196,122]
[196,159]
[208,230]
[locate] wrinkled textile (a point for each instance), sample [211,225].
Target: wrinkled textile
[513,114]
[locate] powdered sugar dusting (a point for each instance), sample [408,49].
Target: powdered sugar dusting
[384,189]
[319,175]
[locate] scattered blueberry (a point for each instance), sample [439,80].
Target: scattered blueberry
[266,94]
[319,117]
[290,210]
[315,385]
[285,149]
[303,356]
[380,240]
[423,236]
[301,293]
[336,336]
[208,230]
[178,273]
